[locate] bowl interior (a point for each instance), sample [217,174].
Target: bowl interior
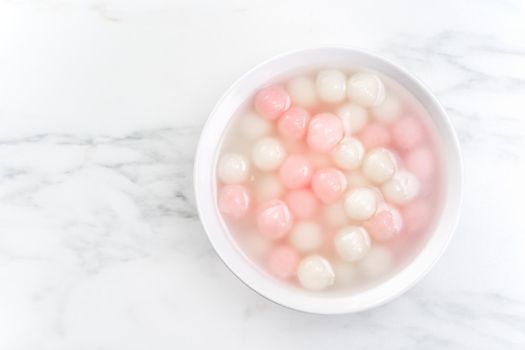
[205,184]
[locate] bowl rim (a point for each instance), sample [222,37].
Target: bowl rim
[273,290]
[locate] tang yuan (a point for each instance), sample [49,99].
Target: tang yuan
[334,215]
[356,179]
[307,236]
[253,126]
[375,135]
[274,219]
[420,161]
[233,168]
[316,273]
[283,262]
[292,124]
[268,153]
[386,223]
[324,132]
[401,188]
[303,91]
[352,243]
[407,133]
[348,154]
[328,184]
[330,180]
[354,117]
[417,215]
[296,171]
[361,203]
[331,85]
[267,187]
[302,203]
[379,165]
[234,201]
[271,101]
[388,110]
[377,262]
[346,274]
[366,89]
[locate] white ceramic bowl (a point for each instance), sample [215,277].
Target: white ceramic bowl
[234,258]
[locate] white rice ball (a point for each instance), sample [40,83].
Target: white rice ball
[365,89]
[379,165]
[306,236]
[401,188]
[268,187]
[354,117]
[335,215]
[388,111]
[315,273]
[348,154]
[255,243]
[252,126]
[268,153]
[356,179]
[352,243]
[346,274]
[303,92]
[377,262]
[233,168]
[361,203]
[331,85]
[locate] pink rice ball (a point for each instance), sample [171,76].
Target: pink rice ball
[375,135]
[421,161]
[272,101]
[233,201]
[407,133]
[385,224]
[325,131]
[328,184]
[296,171]
[417,215]
[302,203]
[293,123]
[283,262]
[274,219]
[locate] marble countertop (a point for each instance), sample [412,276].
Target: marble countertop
[101,105]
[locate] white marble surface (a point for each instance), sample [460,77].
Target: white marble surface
[101,103]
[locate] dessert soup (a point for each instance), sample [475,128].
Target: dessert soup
[330,180]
